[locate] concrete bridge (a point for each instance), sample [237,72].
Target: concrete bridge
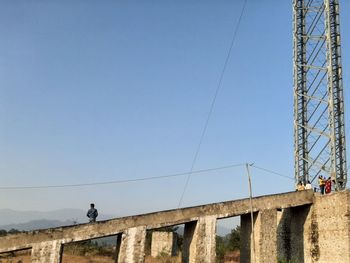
[300,226]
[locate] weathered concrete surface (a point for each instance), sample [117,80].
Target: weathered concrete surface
[265,229]
[132,248]
[290,233]
[318,232]
[200,241]
[50,251]
[187,247]
[117,247]
[327,229]
[246,233]
[163,243]
[154,220]
[284,235]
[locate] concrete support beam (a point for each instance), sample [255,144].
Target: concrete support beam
[291,238]
[200,241]
[265,237]
[47,252]
[117,247]
[132,247]
[284,239]
[267,228]
[246,233]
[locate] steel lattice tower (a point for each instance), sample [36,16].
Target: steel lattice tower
[319,133]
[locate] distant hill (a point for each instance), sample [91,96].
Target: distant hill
[37,224]
[30,220]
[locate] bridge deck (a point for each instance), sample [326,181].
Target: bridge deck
[154,220]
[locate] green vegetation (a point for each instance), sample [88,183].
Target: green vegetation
[89,248]
[230,242]
[283,260]
[10,232]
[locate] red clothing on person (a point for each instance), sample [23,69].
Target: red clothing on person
[328,187]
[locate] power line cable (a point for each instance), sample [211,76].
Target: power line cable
[272,172]
[213,103]
[144,178]
[119,181]
[277,173]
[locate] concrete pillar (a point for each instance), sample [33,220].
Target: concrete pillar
[291,236]
[246,232]
[47,252]
[265,237]
[316,233]
[267,229]
[199,243]
[132,247]
[163,243]
[117,247]
[284,251]
[327,229]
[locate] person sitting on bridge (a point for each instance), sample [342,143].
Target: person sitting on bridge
[92,213]
[308,186]
[300,186]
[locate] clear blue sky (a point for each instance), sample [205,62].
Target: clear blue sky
[107,90]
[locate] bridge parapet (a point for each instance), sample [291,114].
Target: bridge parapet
[200,229]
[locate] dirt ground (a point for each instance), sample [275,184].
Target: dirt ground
[81,259]
[150,259]
[232,257]
[17,257]
[24,257]
[87,259]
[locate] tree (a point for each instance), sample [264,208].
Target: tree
[13,231]
[3,232]
[234,239]
[221,248]
[230,242]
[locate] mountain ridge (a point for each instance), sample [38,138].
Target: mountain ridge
[15,218]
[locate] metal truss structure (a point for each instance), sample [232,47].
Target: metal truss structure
[319,134]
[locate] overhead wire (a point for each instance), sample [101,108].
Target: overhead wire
[272,172]
[123,181]
[120,181]
[279,174]
[213,102]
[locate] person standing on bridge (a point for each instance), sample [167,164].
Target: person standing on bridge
[328,186]
[321,183]
[92,213]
